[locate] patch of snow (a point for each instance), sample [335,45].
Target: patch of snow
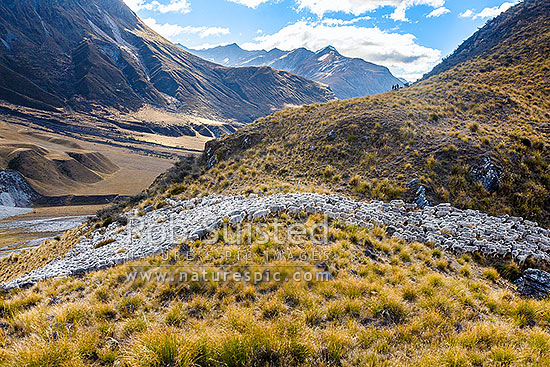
[41,22]
[256,62]
[44,27]
[322,58]
[100,32]
[116,32]
[124,44]
[112,51]
[328,48]
[120,42]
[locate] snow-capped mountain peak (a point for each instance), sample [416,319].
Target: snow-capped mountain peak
[347,77]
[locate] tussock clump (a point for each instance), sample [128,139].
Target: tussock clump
[367,311]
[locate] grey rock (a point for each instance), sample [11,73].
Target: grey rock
[199,234]
[413,183]
[488,175]
[534,283]
[421,199]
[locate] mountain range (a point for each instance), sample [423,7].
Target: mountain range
[347,77]
[390,230]
[97,53]
[473,132]
[87,78]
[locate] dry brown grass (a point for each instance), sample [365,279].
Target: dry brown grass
[401,310]
[15,266]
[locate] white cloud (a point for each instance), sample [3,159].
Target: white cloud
[334,22]
[135,5]
[493,12]
[249,3]
[176,6]
[358,7]
[467,14]
[170,31]
[207,31]
[399,52]
[488,12]
[166,30]
[438,12]
[355,7]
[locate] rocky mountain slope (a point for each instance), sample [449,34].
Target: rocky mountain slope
[97,53]
[474,133]
[15,191]
[347,77]
[90,73]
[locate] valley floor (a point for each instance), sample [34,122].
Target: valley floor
[27,228]
[137,150]
[8,211]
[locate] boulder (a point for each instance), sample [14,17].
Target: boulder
[421,199]
[488,175]
[534,283]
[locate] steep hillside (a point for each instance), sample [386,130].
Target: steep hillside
[475,135]
[97,53]
[510,30]
[347,77]
[181,278]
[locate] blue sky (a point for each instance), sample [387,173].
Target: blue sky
[408,36]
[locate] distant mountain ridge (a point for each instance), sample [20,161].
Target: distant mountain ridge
[97,53]
[347,77]
[474,132]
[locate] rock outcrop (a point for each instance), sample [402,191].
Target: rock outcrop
[488,175]
[15,191]
[534,283]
